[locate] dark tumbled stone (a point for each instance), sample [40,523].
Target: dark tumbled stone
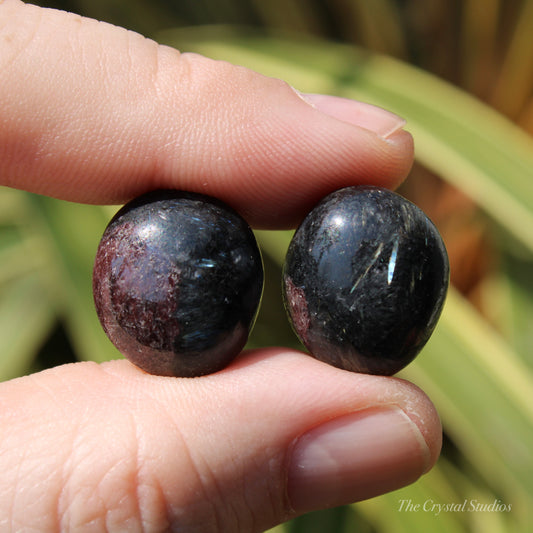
[365,280]
[177,282]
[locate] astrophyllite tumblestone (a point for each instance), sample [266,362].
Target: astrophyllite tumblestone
[365,280]
[177,283]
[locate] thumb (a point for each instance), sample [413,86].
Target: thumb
[274,435]
[93,113]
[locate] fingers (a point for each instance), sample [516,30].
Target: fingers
[93,113]
[274,435]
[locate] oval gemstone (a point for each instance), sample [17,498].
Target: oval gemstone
[177,282]
[365,280]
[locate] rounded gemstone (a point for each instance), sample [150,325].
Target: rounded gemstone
[177,282]
[365,279]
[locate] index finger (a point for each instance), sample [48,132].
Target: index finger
[93,113]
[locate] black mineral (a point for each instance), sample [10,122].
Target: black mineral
[177,283]
[365,280]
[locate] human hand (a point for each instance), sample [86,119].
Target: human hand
[92,113]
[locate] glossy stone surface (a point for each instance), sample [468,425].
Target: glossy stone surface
[177,283]
[365,280]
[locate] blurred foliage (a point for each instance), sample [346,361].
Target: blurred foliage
[461,73]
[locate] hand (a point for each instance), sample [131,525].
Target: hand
[93,113]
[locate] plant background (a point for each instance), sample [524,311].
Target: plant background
[461,73]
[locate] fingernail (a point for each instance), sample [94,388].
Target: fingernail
[355,457]
[367,116]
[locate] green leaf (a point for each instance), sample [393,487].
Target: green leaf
[274,243]
[26,318]
[410,510]
[514,288]
[282,528]
[74,231]
[483,392]
[444,500]
[20,255]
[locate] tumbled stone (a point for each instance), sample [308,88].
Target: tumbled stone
[365,280]
[177,283]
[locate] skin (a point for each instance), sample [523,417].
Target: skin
[92,113]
